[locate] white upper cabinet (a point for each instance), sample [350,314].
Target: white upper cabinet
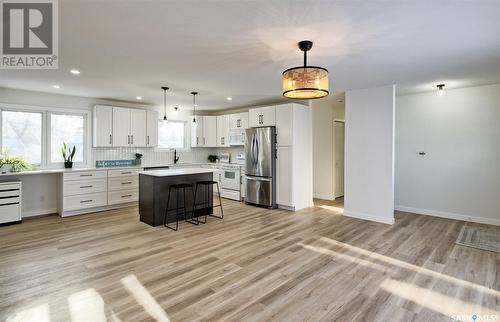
[238,121]
[284,124]
[209,131]
[223,130]
[262,116]
[152,128]
[138,128]
[197,132]
[121,126]
[103,126]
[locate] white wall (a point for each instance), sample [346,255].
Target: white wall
[369,154]
[324,111]
[459,177]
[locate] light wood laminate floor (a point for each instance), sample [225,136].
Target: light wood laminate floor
[255,265]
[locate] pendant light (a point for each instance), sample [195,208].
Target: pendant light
[165,89]
[305,82]
[440,89]
[194,107]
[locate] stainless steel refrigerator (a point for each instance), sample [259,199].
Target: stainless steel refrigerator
[260,170]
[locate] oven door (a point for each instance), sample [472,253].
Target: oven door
[230,179]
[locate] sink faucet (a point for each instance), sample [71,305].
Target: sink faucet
[176,158]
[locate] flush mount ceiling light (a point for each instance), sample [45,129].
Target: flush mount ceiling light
[75,72]
[138,98]
[229,98]
[194,107]
[165,89]
[56,86]
[440,89]
[305,82]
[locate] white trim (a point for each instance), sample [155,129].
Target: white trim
[383,220]
[70,213]
[449,215]
[323,196]
[38,212]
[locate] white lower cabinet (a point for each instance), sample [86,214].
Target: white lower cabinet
[284,166]
[90,191]
[10,202]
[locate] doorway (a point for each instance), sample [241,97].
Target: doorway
[338,153]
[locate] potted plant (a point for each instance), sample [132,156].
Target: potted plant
[68,154]
[212,158]
[14,164]
[138,157]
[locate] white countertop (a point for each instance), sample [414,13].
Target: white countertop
[175,172]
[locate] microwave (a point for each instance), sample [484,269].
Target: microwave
[237,137]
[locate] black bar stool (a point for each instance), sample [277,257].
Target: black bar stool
[177,188]
[206,202]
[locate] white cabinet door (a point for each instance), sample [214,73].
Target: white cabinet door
[197,132]
[138,128]
[268,116]
[238,121]
[209,131]
[284,192]
[152,128]
[262,116]
[103,126]
[121,126]
[284,124]
[223,130]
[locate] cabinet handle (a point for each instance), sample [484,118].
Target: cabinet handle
[128,139]
[81,187]
[204,141]
[126,196]
[196,140]
[127,172]
[110,139]
[147,140]
[85,175]
[128,182]
[85,201]
[132,139]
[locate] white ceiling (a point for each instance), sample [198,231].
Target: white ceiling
[223,48]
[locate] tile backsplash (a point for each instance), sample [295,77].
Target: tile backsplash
[160,157]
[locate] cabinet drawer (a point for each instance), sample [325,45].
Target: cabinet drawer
[9,200]
[85,175]
[10,193]
[10,213]
[84,201]
[121,183]
[123,172]
[123,196]
[79,187]
[10,186]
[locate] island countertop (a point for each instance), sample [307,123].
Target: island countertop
[175,172]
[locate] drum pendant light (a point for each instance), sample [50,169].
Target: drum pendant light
[165,89]
[305,82]
[194,107]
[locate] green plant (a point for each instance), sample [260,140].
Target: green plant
[212,158]
[16,163]
[138,156]
[68,153]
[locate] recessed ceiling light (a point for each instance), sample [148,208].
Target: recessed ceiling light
[75,72]
[229,98]
[138,98]
[56,86]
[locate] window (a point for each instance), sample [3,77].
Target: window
[171,135]
[22,135]
[69,129]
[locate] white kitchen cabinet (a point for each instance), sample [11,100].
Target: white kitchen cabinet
[138,128]
[197,132]
[238,121]
[152,129]
[121,126]
[262,116]
[294,161]
[10,202]
[222,130]
[209,131]
[284,124]
[103,126]
[284,167]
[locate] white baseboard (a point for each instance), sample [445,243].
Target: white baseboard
[38,212]
[383,220]
[324,197]
[449,215]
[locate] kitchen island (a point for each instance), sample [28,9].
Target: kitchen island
[153,193]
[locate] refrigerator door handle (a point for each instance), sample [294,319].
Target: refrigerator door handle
[257,179]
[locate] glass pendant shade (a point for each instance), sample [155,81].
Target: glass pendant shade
[305,82]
